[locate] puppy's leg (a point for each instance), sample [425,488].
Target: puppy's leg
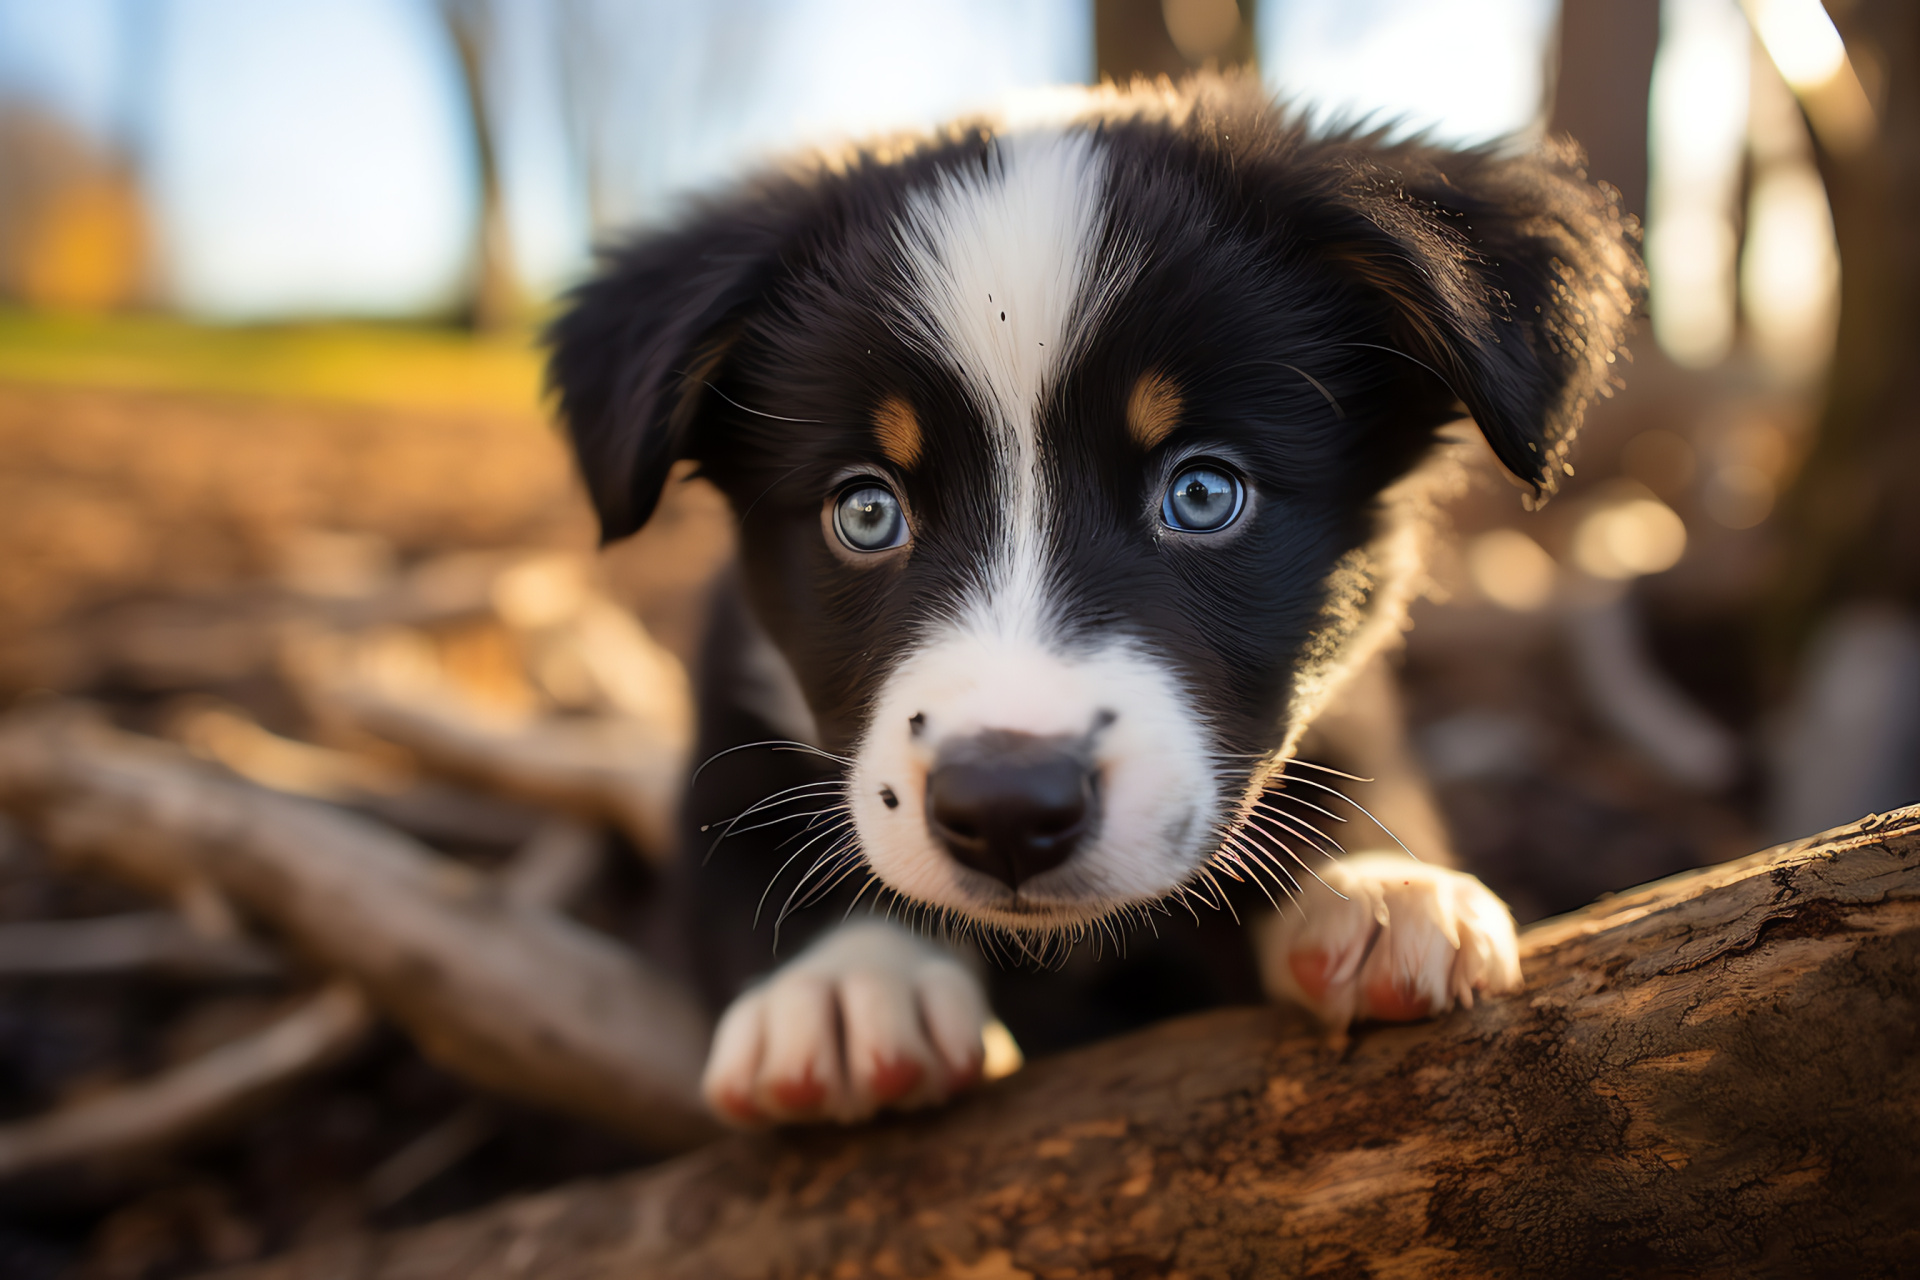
[870,1016]
[1381,936]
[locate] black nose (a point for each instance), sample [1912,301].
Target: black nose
[1010,804]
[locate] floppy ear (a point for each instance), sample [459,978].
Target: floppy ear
[633,353]
[1510,277]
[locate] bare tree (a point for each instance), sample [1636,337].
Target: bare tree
[495,301]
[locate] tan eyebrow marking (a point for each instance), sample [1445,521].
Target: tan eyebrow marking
[1153,409]
[899,432]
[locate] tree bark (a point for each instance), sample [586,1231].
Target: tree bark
[1714,1075]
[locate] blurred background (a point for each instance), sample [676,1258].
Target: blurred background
[271,425]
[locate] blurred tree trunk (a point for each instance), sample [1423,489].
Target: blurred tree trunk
[1714,1075]
[1856,526]
[1600,89]
[1137,37]
[495,301]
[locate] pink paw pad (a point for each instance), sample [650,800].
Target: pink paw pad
[740,1107]
[804,1094]
[896,1079]
[1311,971]
[1390,1002]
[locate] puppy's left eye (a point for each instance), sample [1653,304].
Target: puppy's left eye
[1204,497]
[867,517]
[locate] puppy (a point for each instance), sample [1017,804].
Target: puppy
[1064,460]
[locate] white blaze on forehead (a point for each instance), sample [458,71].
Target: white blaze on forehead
[1017,239]
[1006,277]
[1002,263]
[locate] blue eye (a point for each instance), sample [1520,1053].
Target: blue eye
[1203,498]
[867,517]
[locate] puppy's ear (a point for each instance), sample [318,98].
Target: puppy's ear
[640,343]
[1511,278]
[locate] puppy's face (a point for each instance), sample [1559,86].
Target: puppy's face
[1045,449]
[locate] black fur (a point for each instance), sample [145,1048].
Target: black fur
[1323,304]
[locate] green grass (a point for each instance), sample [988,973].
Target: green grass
[356,363]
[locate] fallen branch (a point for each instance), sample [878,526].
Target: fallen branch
[1714,1075]
[598,767]
[136,942]
[608,715]
[518,999]
[553,868]
[195,1096]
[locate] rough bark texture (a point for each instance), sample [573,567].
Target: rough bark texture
[1715,1075]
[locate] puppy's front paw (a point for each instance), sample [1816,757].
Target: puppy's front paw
[1382,936]
[869,1017]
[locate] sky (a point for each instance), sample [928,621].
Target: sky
[311,157]
[1463,70]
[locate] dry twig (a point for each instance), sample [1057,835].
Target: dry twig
[598,722]
[196,1095]
[138,941]
[517,999]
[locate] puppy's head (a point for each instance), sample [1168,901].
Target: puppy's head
[1048,447]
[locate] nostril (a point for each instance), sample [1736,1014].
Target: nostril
[1011,805]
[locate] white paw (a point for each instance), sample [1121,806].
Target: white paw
[1381,936]
[869,1017]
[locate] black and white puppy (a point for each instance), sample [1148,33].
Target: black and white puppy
[1062,456]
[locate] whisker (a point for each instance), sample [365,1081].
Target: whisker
[872,880]
[1306,831]
[1254,857]
[787,908]
[844,863]
[775,878]
[1281,793]
[1221,892]
[1395,351]
[777,744]
[1363,809]
[812,815]
[1301,862]
[776,417]
[1228,854]
[823,787]
[1322,768]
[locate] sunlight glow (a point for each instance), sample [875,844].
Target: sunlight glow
[1511,570]
[1628,538]
[1801,40]
[1790,271]
[1697,126]
[1467,70]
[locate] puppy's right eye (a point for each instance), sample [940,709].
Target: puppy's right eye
[867,517]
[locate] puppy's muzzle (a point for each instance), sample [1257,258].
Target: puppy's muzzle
[1012,805]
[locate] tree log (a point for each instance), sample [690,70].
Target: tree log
[1714,1075]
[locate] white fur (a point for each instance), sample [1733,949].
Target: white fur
[1007,279]
[869,1017]
[1006,283]
[1379,935]
[998,262]
[1157,792]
